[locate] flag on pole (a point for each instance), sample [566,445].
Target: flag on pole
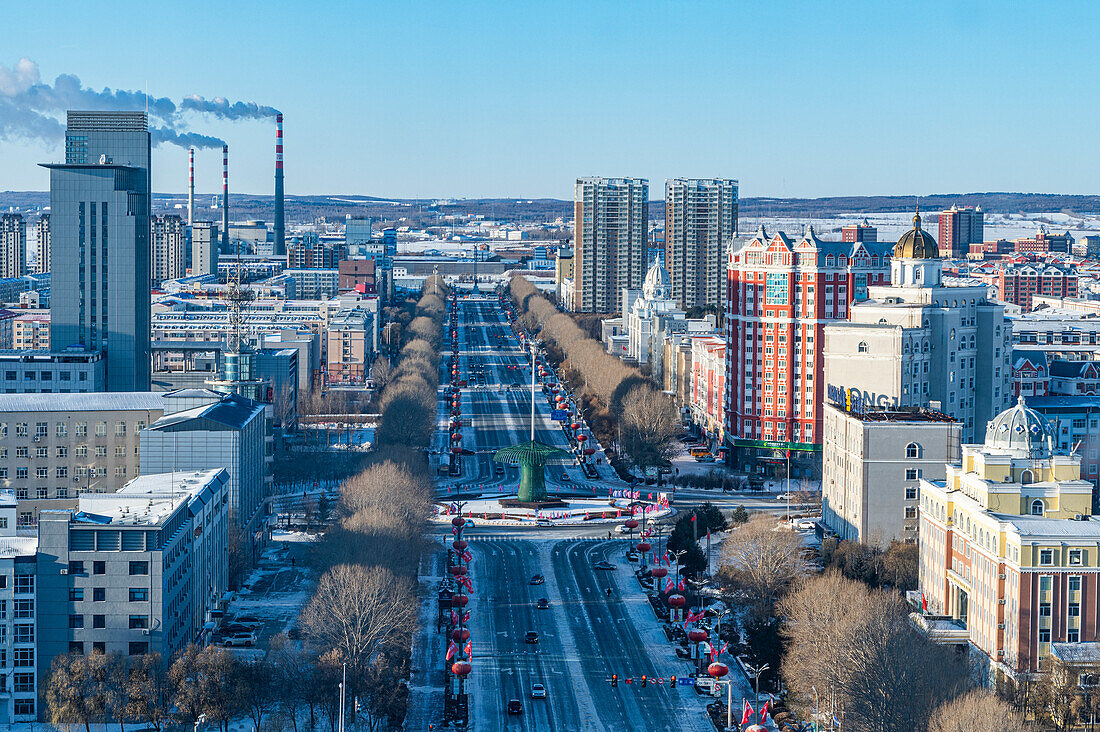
[452,649]
[923,602]
[469,651]
[693,518]
[680,585]
[466,617]
[747,714]
[668,585]
[723,649]
[764,713]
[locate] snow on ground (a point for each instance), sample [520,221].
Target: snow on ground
[428,648]
[577,512]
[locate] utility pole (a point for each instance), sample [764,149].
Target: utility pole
[532,390]
[343,689]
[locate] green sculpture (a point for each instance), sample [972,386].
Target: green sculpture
[531,457]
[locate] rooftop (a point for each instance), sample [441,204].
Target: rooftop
[233,412]
[145,500]
[906,416]
[94,402]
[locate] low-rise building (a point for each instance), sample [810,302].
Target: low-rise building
[312,284]
[31,331]
[55,446]
[18,625]
[350,350]
[708,386]
[52,372]
[203,429]
[1009,547]
[139,571]
[872,465]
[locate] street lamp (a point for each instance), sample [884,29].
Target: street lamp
[754,672]
[200,720]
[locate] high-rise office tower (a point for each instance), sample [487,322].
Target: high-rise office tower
[168,254]
[43,231]
[13,245]
[611,218]
[99,199]
[204,248]
[959,228]
[700,223]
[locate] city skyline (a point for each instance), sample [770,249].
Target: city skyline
[461,102]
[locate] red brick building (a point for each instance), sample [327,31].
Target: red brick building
[358,275]
[1044,242]
[959,228]
[781,293]
[1018,283]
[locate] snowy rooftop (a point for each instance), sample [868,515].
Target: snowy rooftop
[146,500]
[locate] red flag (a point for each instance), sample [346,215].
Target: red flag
[680,586]
[923,602]
[454,618]
[764,713]
[452,649]
[469,649]
[747,715]
[466,617]
[668,585]
[723,648]
[692,518]
[664,558]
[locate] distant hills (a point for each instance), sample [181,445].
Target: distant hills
[336,207]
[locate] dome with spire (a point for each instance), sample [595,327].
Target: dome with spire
[658,282]
[916,243]
[1020,428]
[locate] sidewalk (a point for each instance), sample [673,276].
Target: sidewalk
[425,704]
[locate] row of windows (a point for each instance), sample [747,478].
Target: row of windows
[99,594]
[62,451]
[45,375]
[136,648]
[61,429]
[43,473]
[136,622]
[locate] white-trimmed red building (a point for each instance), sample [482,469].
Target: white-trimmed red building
[708,384]
[781,292]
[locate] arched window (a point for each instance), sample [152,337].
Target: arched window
[1027,477]
[1037,508]
[924,347]
[912,450]
[862,348]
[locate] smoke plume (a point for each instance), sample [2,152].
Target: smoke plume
[32,110]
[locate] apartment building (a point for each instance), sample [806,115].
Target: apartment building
[169,261]
[700,224]
[611,221]
[133,572]
[959,228]
[56,446]
[1019,284]
[708,385]
[31,331]
[13,245]
[18,619]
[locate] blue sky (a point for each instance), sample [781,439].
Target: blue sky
[433,99]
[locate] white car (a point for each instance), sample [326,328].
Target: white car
[538,691]
[785,497]
[806,524]
[620,529]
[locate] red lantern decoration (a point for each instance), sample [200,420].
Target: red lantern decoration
[456,450]
[589,451]
[458,570]
[575,426]
[677,601]
[718,669]
[697,636]
[659,572]
[631,524]
[460,545]
[644,547]
[460,600]
[458,522]
[461,668]
[582,438]
[456,424]
[460,635]
[456,437]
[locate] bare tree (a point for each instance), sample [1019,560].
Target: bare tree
[977,710]
[649,426]
[148,692]
[1058,698]
[762,560]
[356,611]
[255,688]
[71,696]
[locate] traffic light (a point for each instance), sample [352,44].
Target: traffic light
[643,681]
[672,683]
[614,679]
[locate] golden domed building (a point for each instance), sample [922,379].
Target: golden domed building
[916,261]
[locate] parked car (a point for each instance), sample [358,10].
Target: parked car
[708,458]
[249,620]
[531,637]
[240,639]
[515,706]
[603,565]
[538,691]
[807,524]
[543,522]
[785,497]
[542,604]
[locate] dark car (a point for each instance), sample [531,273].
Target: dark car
[531,637]
[515,706]
[537,579]
[498,470]
[604,565]
[542,604]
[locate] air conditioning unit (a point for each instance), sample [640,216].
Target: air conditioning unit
[1002,575]
[1000,626]
[37,438]
[1001,601]
[145,631]
[64,570]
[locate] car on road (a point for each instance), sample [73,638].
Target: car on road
[498,470]
[537,579]
[240,639]
[515,706]
[538,691]
[785,497]
[708,458]
[620,529]
[531,637]
[806,524]
[603,565]
[542,604]
[543,522]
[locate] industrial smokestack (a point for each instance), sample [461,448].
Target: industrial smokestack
[191,188]
[280,232]
[225,198]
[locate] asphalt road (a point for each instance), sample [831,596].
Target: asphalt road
[585,636]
